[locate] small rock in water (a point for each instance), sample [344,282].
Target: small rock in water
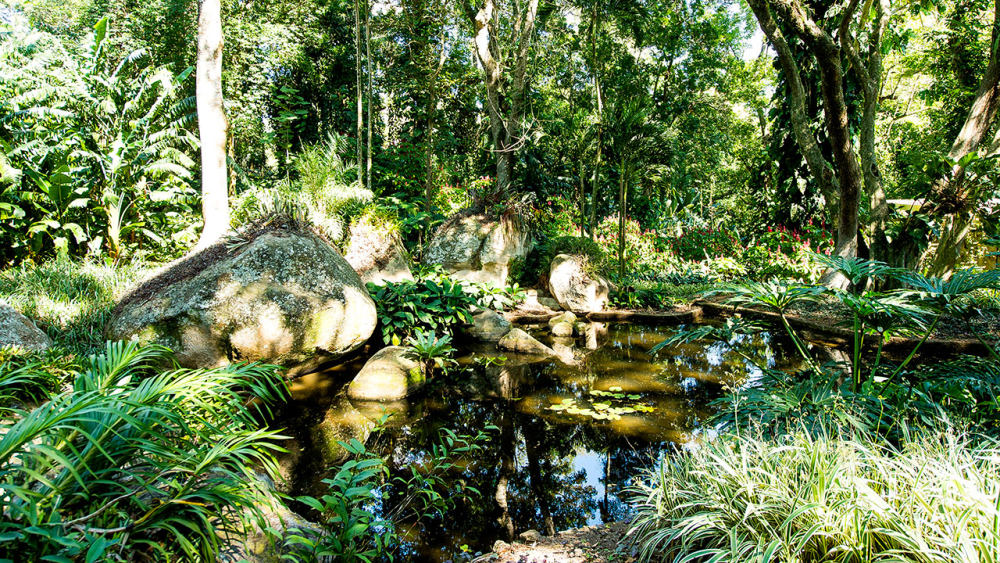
[562,329]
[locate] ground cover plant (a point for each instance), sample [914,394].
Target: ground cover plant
[134,457]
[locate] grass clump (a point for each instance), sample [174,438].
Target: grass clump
[70,300]
[751,498]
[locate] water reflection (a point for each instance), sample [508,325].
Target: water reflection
[549,467]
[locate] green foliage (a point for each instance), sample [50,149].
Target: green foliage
[96,149]
[539,261]
[431,305]
[434,304]
[661,295]
[431,350]
[746,497]
[352,531]
[137,457]
[32,376]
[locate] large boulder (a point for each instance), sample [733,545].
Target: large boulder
[575,287]
[376,253]
[478,249]
[488,326]
[18,331]
[282,296]
[389,375]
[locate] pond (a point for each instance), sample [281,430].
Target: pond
[570,433]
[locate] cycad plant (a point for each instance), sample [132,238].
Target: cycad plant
[137,460]
[431,350]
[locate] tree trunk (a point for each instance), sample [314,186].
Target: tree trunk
[360,91]
[429,176]
[482,44]
[828,57]
[869,74]
[819,167]
[212,124]
[368,66]
[599,99]
[622,193]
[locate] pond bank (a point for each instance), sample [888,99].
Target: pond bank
[589,544]
[821,326]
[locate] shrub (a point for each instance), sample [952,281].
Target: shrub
[428,304]
[748,498]
[434,303]
[136,460]
[537,265]
[698,244]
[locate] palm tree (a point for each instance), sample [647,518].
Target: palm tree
[638,144]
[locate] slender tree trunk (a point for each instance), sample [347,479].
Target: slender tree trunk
[429,176]
[482,44]
[869,74]
[622,193]
[368,66]
[212,124]
[583,199]
[599,99]
[360,92]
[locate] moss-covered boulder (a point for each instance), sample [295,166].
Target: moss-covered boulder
[376,253]
[575,286]
[280,295]
[478,249]
[389,375]
[18,331]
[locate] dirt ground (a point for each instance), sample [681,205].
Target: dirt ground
[590,544]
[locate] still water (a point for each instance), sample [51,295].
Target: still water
[569,434]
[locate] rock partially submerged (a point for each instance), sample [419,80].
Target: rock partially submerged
[476,248]
[282,296]
[20,332]
[519,341]
[575,287]
[488,326]
[387,376]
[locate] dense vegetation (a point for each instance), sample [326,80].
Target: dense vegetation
[772,154]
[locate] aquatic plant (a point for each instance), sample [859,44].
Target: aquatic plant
[603,405]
